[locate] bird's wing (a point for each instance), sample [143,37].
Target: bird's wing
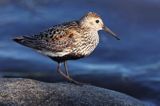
[58,39]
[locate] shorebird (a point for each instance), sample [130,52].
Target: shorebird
[68,41]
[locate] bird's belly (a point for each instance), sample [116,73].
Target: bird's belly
[78,53]
[71,56]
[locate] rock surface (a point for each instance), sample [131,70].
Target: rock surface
[27,92]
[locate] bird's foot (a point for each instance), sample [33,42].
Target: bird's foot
[68,78]
[74,81]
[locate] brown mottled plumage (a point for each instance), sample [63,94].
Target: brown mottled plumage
[68,41]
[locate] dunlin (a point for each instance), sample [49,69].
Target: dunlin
[68,41]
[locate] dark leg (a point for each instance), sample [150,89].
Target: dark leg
[65,76]
[66,68]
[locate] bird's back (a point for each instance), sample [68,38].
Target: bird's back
[51,36]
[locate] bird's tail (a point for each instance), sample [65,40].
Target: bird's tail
[26,41]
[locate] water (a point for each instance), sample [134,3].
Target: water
[130,65]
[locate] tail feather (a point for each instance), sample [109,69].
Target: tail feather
[18,39]
[26,41]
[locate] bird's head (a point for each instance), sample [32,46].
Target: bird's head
[93,21]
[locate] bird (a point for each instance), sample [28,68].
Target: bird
[68,41]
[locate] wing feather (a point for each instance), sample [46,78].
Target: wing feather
[59,38]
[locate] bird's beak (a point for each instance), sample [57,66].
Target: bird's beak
[106,29]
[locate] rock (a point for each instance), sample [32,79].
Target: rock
[27,92]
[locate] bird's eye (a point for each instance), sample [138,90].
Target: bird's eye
[97,21]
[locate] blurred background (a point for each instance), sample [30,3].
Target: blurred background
[131,65]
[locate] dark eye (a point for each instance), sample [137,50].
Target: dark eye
[97,21]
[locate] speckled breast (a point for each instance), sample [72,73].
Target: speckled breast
[88,43]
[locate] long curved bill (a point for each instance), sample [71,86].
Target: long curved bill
[106,29]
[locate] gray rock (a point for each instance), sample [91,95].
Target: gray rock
[27,92]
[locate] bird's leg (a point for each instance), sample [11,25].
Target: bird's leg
[65,76]
[66,68]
